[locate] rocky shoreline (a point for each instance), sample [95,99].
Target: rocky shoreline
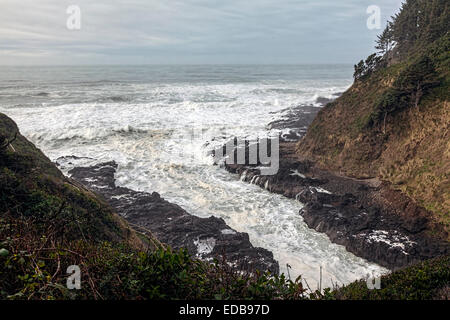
[206,238]
[369,218]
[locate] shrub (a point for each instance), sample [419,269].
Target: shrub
[34,268]
[423,281]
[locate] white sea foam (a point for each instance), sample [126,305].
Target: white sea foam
[228,231]
[205,246]
[321,190]
[149,136]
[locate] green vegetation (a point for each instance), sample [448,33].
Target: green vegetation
[365,68]
[418,24]
[424,281]
[31,186]
[413,82]
[33,266]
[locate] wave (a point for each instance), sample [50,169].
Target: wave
[278,90]
[42,94]
[115,99]
[85,134]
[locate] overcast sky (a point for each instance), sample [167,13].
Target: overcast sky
[188,31]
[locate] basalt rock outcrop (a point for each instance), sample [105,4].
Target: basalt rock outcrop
[366,216]
[206,238]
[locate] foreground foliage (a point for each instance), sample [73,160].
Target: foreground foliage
[33,266]
[424,281]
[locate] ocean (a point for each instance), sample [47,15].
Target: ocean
[159,123]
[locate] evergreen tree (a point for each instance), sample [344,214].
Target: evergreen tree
[359,70]
[385,40]
[417,79]
[418,23]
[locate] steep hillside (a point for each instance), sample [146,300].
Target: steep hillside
[393,123]
[33,188]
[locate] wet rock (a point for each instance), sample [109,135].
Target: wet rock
[324,101]
[353,213]
[368,217]
[295,123]
[206,238]
[369,232]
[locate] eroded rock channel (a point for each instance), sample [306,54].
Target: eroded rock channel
[205,238]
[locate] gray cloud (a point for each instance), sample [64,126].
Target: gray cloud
[188,31]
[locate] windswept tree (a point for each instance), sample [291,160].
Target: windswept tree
[365,68]
[417,24]
[359,70]
[385,43]
[372,63]
[417,79]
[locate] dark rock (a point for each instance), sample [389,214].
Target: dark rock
[296,122]
[353,213]
[324,101]
[369,218]
[206,238]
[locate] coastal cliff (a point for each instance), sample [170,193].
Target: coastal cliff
[372,167]
[392,125]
